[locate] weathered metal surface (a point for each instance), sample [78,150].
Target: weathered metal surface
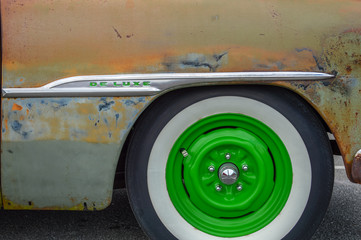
[61,153]
[356,167]
[46,40]
[339,101]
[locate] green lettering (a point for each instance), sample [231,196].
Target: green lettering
[136,83]
[146,83]
[92,84]
[117,84]
[126,83]
[103,84]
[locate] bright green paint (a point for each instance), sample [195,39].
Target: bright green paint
[229,212]
[245,148]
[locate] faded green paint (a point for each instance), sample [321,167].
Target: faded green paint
[58,174]
[47,40]
[60,153]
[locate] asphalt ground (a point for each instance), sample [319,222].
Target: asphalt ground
[342,221]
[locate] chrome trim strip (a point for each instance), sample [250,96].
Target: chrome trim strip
[149,84]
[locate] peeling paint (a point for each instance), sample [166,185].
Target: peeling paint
[196,60]
[317,60]
[63,141]
[41,45]
[17,127]
[105,105]
[16,107]
[265,33]
[93,118]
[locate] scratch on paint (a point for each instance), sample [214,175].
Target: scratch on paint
[106,121]
[116,31]
[116,119]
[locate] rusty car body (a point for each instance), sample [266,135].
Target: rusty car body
[77,76]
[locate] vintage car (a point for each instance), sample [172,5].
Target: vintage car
[215,115]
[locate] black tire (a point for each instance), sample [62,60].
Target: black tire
[281,103]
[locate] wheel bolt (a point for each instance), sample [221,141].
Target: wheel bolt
[218,188]
[228,156]
[245,167]
[211,168]
[239,187]
[184,152]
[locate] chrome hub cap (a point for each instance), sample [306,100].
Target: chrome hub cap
[228,173]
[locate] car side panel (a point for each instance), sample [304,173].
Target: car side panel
[71,145]
[62,153]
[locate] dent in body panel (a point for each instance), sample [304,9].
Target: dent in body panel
[62,153]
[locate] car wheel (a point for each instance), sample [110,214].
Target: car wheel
[241,163]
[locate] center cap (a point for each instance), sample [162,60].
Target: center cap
[228,173]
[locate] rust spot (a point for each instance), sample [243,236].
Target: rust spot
[356,167]
[348,69]
[16,107]
[6,124]
[30,205]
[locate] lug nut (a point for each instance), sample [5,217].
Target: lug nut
[245,167]
[239,187]
[211,168]
[218,188]
[184,152]
[228,156]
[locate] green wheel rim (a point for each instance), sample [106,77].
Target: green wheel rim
[248,203]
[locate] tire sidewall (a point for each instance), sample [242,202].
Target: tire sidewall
[155,120]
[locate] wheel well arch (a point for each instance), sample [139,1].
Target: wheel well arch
[119,181]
